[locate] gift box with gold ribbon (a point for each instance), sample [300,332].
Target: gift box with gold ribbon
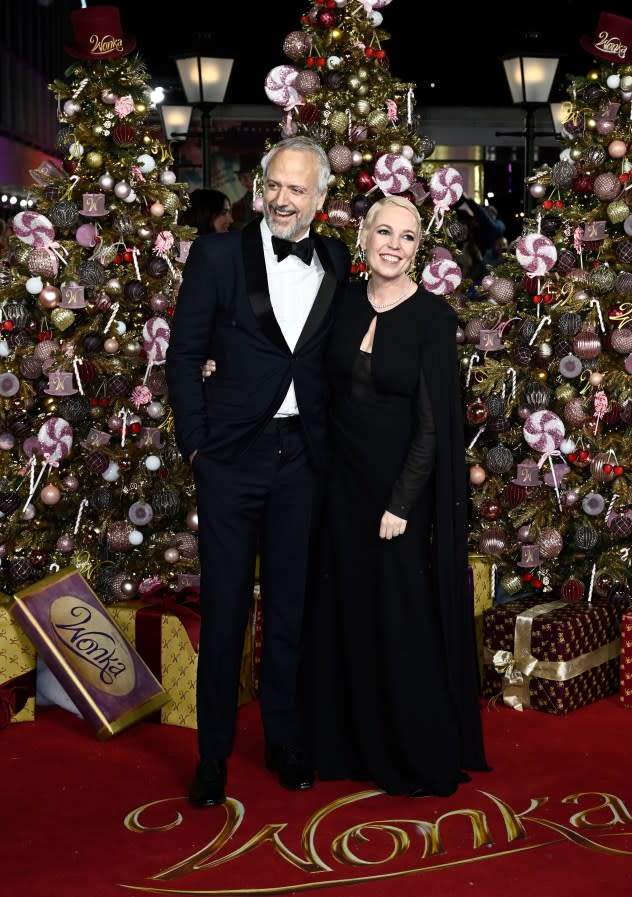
[625,670]
[164,627]
[480,579]
[552,656]
[17,670]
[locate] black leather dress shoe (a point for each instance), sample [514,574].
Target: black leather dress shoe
[295,772]
[209,783]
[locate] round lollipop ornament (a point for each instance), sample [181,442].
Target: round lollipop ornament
[33,229]
[446,186]
[156,334]
[544,431]
[393,173]
[279,86]
[441,276]
[536,254]
[55,439]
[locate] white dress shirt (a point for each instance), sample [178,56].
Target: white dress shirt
[293,287]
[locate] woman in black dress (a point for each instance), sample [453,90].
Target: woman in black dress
[392,648]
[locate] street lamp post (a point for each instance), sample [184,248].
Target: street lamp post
[204,81]
[530,78]
[175,125]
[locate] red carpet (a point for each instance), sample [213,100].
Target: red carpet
[82,818]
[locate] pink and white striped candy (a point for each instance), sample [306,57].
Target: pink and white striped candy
[279,88]
[33,229]
[543,431]
[441,276]
[55,438]
[536,253]
[446,186]
[156,333]
[393,173]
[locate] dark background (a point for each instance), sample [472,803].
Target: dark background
[457,50]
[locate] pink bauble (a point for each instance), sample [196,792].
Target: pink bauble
[50,495]
[192,520]
[477,474]
[536,253]
[171,555]
[65,544]
[86,235]
[617,149]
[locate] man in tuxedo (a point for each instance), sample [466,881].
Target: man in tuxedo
[260,302]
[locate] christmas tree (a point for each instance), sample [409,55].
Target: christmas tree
[548,366]
[89,472]
[339,90]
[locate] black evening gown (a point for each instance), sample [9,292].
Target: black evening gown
[392,704]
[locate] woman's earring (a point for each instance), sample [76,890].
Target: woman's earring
[362,255]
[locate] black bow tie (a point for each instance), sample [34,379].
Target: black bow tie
[304,249]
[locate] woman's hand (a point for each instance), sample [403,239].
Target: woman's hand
[209,367]
[391,526]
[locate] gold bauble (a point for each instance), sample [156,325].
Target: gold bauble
[590,123]
[542,376]
[21,253]
[395,147]
[362,107]
[62,318]
[363,74]
[353,82]
[141,108]
[94,160]
[146,139]
[338,122]
[576,153]
[171,203]
[336,34]
[593,75]
[131,348]
[511,583]
[565,393]
[97,412]
[367,157]
[97,130]
[363,90]
[50,404]
[377,120]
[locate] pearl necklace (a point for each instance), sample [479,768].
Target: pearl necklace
[384,305]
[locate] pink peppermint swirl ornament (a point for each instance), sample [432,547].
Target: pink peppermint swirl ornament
[55,439]
[536,253]
[33,229]
[279,88]
[441,276]
[393,173]
[543,431]
[156,333]
[446,187]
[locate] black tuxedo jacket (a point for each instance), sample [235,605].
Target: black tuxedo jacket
[224,312]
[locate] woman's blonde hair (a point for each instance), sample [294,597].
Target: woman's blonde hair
[391,200]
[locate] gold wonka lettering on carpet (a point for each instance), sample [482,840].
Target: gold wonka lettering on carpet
[601,817]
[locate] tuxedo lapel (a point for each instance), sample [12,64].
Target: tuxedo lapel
[323,297]
[259,292]
[257,284]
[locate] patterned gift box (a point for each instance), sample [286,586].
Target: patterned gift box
[17,670]
[164,627]
[480,579]
[554,656]
[625,668]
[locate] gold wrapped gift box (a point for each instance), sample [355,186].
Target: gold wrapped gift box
[480,569]
[174,649]
[625,695]
[17,667]
[552,656]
